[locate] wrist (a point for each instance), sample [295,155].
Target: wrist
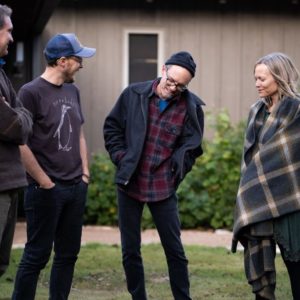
[87,176]
[47,184]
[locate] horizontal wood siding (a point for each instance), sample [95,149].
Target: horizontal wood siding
[225,46]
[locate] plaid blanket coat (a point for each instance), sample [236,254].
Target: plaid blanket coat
[269,187]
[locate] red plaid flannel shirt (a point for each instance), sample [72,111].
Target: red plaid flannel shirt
[153,180]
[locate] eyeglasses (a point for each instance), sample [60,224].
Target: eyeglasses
[171,82]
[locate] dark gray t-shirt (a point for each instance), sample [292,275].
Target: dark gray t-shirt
[57,119]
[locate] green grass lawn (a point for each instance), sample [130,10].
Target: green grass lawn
[215,274]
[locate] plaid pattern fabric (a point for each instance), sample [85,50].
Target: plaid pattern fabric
[153,179]
[269,187]
[259,263]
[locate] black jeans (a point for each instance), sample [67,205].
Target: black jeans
[53,216]
[166,219]
[293,268]
[294,274]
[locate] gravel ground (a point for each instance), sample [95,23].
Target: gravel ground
[111,236]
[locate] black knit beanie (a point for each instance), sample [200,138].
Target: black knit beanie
[183,59]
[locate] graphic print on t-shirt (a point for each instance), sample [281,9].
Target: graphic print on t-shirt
[64,130]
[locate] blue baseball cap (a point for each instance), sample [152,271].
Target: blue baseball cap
[64,45]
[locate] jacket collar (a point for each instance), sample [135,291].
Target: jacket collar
[144,88]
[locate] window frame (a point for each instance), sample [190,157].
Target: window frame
[160,50]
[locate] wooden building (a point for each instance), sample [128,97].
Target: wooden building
[134,37]
[29,19]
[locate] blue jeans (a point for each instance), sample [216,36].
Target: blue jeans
[8,217]
[54,217]
[166,219]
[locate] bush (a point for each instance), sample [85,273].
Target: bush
[207,194]
[101,208]
[101,205]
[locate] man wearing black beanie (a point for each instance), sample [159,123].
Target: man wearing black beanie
[183,59]
[153,135]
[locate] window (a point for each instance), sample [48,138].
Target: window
[143,59]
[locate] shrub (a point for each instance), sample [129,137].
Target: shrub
[101,205]
[101,208]
[207,195]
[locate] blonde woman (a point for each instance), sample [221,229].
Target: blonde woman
[268,201]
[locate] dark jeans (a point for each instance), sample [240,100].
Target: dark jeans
[166,219]
[53,216]
[294,274]
[8,216]
[293,268]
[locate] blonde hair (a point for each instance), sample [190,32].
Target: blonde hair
[284,72]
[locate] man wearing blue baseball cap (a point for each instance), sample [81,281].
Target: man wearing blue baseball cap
[55,159]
